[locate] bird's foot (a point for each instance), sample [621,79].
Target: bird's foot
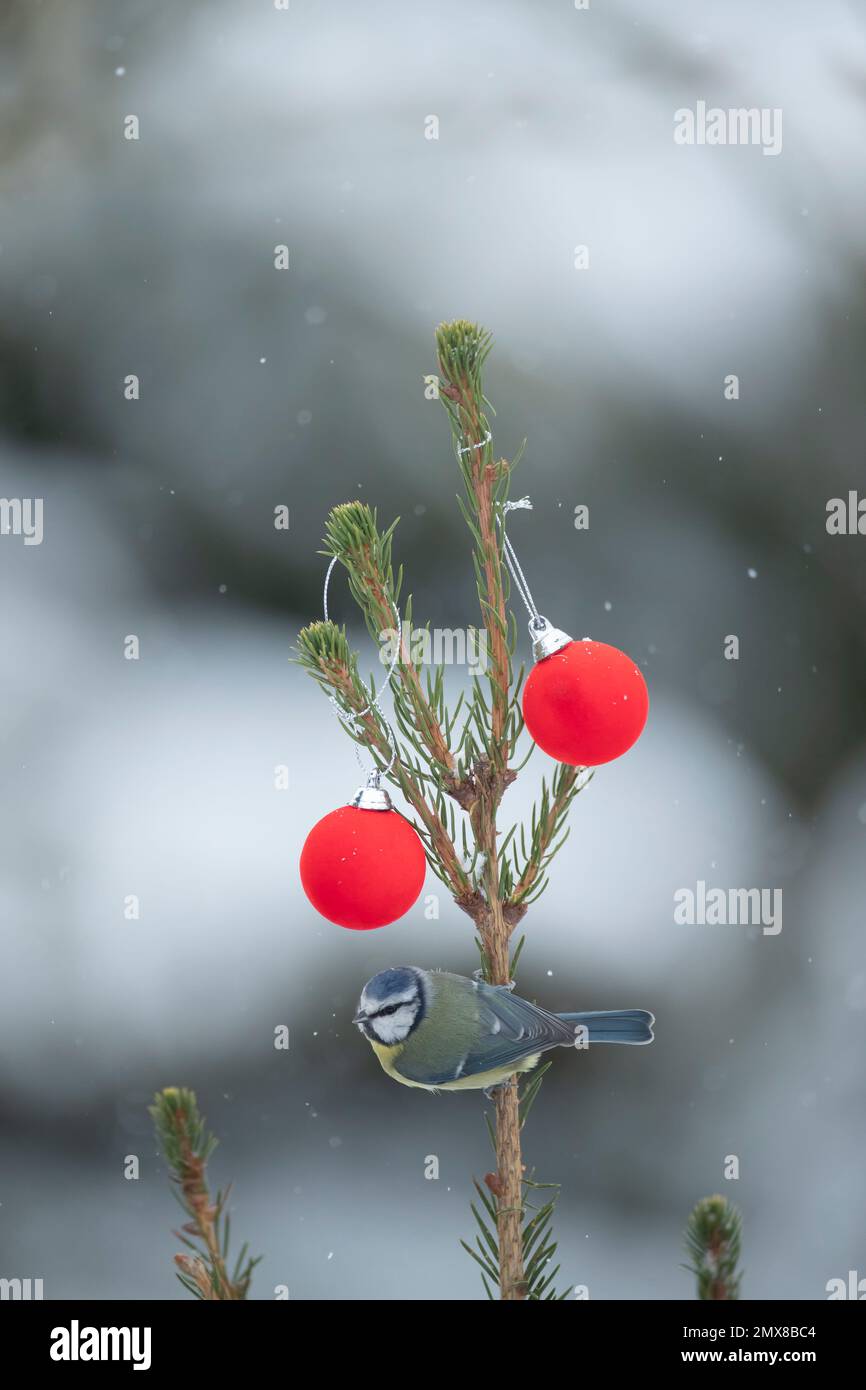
[489,1092]
[479,975]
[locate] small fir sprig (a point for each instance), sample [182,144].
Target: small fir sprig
[713,1240]
[187,1145]
[538,1247]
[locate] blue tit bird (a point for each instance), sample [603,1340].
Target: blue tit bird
[443,1032]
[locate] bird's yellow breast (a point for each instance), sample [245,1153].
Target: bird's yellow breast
[389,1056]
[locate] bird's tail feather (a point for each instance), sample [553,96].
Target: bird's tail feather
[615,1025]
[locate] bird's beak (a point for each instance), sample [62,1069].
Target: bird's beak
[360,1018]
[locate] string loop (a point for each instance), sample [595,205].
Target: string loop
[483,445]
[536,621]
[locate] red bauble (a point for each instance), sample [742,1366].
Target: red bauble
[586,704]
[362,869]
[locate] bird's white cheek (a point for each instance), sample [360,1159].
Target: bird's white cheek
[388,1031]
[394,1028]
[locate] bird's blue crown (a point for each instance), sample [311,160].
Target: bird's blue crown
[397,980]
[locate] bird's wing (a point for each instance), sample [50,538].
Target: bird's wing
[478,1028]
[511,1028]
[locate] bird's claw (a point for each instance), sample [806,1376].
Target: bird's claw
[479,975]
[489,1092]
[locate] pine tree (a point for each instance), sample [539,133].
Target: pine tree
[453,767]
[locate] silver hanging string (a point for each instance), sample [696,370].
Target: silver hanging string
[511,560]
[535,619]
[352,721]
[546,639]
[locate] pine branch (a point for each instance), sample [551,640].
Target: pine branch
[352,536]
[462,349]
[713,1239]
[324,652]
[187,1145]
[547,837]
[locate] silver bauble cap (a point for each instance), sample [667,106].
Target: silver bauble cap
[372,797]
[546,639]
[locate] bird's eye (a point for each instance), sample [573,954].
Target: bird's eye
[389,1009]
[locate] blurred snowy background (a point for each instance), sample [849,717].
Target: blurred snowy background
[305,387]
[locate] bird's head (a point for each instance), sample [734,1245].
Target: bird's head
[392,1005]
